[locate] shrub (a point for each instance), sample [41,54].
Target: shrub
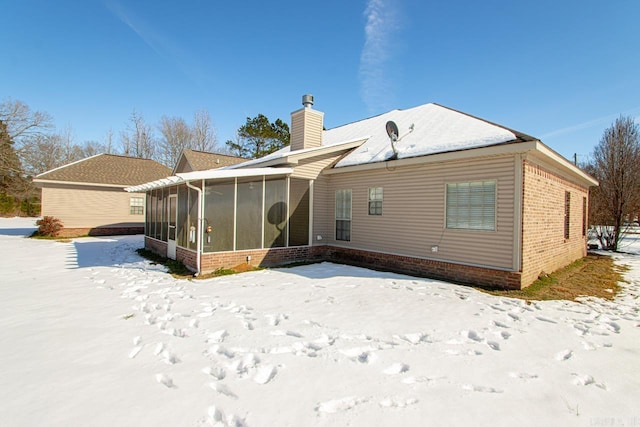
[49,226]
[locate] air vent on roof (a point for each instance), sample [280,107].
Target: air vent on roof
[307,100]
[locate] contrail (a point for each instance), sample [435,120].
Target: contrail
[376,90]
[590,123]
[162,46]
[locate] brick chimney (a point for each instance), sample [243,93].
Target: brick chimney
[306,126]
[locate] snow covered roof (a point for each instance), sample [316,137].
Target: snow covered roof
[219,173]
[436,129]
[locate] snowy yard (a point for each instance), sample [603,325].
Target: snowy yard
[93,335]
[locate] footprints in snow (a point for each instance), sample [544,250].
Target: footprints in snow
[346,403]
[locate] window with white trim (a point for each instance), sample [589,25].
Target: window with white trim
[343,215]
[471,205]
[567,214]
[136,206]
[375,201]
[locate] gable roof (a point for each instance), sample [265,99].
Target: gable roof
[436,129]
[107,170]
[202,160]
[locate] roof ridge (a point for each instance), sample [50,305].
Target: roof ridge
[212,152]
[69,164]
[517,134]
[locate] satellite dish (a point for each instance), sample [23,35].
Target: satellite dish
[392,130]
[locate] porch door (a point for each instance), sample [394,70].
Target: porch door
[171,239]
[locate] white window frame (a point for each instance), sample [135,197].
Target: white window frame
[375,201]
[343,213]
[136,202]
[471,205]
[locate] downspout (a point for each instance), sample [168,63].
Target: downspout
[199,229]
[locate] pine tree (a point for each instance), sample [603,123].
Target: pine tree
[259,137]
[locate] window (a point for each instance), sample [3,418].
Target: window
[136,206]
[584,216]
[375,201]
[471,205]
[567,213]
[343,215]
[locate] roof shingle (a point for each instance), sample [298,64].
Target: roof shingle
[202,160]
[108,169]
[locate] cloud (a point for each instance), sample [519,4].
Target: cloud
[161,45]
[375,86]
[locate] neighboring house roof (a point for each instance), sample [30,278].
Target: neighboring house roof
[107,170]
[202,160]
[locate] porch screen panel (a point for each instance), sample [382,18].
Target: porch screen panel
[219,215]
[275,213]
[158,215]
[165,212]
[147,220]
[299,212]
[192,234]
[154,212]
[182,224]
[249,214]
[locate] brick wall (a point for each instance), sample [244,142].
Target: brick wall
[425,268]
[156,246]
[100,231]
[403,264]
[544,248]
[259,257]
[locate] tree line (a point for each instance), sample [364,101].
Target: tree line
[30,144]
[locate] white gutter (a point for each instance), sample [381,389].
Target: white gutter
[199,229]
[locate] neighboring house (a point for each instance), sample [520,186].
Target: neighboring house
[450,196]
[192,160]
[88,195]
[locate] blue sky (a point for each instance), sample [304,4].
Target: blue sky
[561,71]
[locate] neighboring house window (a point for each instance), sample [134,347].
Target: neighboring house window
[136,206]
[471,205]
[375,201]
[343,215]
[567,213]
[584,216]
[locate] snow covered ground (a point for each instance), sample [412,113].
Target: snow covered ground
[93,335]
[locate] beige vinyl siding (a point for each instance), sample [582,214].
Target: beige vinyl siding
[311,169]
[321,215]
[183,166]
[306,129]
[413,212]
[84,206]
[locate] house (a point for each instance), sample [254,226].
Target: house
[192,160]
[429,191]
[88,195]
